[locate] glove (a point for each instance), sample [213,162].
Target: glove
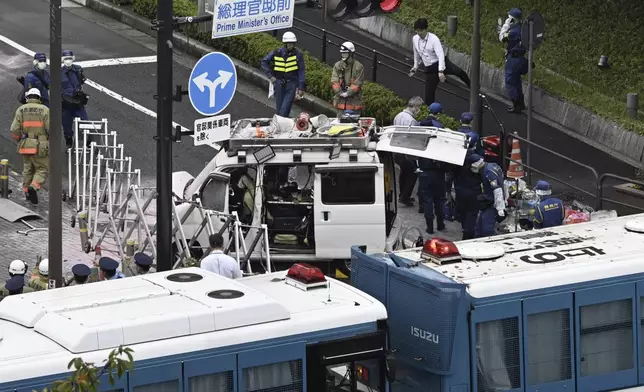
[344,94]
[272,79]
[501,213]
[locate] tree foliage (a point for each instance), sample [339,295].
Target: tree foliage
[86,375]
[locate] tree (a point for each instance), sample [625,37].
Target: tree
[86,376]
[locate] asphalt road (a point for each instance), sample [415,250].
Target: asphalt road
[455,100]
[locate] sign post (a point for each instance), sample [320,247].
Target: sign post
[532,32]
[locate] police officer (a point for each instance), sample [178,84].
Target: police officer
[39,78]
[467,186]
[17,268]
[30,128]
[108,269]
[515,64]
[550,212]
[74,98]
[143,264]
[432,120]
[492,199]
[81,274]
[287,75]
[347,79]
[14,286]
[431,192]
[475,145]
[40,276]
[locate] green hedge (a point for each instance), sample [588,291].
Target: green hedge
[577,34]
[380,102]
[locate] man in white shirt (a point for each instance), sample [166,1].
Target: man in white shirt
[429,57]
[218,262]
[408,176]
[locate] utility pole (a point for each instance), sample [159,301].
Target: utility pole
[56,162]
[164,135]
[475,70]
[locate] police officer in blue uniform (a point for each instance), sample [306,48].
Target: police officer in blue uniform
[143,263]
[108,269]
[287,74]
[432,120]
[39,78]
[475,145]
[516,63]
[81,274]
[15,285]
[550,211]
[467,186]
[492,199]
[431,191]
[74,98]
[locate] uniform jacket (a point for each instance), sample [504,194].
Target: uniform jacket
[491,179]
[32,80]
[431,121]
[72,85]
[514,40]
[349,77]
[286,66]
[30,128]
[549,213]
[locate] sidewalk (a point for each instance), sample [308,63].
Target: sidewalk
[28,247]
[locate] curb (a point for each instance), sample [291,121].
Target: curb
[574,120]
[197,49]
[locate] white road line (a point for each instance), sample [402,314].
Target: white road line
[103,89]
[120,61]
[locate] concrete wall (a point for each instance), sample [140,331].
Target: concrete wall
[606,135]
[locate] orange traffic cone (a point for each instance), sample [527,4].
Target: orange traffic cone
[515,169]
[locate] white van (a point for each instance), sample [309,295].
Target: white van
[345,193]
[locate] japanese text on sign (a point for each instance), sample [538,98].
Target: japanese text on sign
[212,129]
[235,17]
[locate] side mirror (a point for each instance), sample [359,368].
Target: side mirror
[391,367]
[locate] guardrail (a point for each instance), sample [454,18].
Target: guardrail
[377,58]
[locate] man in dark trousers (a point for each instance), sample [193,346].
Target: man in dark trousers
[287,73]
[431,190]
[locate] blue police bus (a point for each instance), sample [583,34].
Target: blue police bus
[558,309]
[192,330]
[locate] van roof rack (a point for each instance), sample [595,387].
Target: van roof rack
[258,133]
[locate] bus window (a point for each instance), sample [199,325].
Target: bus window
[548,341]
[498,355]
[168,386]
[221,382]
[283,376]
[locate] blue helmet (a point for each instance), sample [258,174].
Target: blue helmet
[39,57]
[543,188]
[15,283]
[68,53]
[435,108]
[471,158]
[515,13]
[467,118]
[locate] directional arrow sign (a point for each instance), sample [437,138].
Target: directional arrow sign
[213,82]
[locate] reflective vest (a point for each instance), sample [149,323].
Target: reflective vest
[284,65]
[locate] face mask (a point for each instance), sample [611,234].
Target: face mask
[68,62]
[41,66]
[344,56]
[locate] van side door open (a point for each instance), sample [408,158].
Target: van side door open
[349,209]
[214,195]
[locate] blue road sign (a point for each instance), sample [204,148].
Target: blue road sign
[213,82]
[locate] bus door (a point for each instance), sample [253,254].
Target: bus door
[356,364]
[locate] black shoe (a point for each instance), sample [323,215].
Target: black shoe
[406,202]
[421,210]
[440,226]
[69,142]
[32,195]
[429,230]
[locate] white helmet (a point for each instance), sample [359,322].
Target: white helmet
[289,37]
[32,91]
[17,267]
[43,267]
[347,47]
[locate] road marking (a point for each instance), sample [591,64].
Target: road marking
[120,61]
[104,89]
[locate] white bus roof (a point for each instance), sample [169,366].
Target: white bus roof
[57,325]
[545,258]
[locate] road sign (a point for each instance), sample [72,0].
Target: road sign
[213,82]
[538,30]
[236,17]
[212,129]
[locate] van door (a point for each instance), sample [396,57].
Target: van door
[349,209]
[214,196]
[425,142]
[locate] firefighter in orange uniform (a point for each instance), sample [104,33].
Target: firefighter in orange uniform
[30,128]
[347,80]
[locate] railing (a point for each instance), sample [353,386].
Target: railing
[377,59]
[600,190]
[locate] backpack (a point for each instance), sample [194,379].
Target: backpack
[21,79]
